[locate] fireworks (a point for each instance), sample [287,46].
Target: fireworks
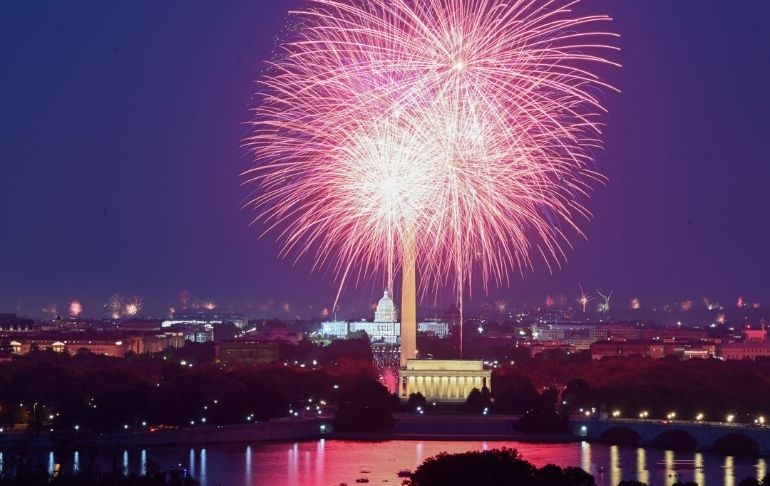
[119,305]
[604,306]
[686,306]
[549,302]
[75,308]
[635,304]
[584,299]
[462,131]
[132,307]
[721,318]
[501,306]
[209,305]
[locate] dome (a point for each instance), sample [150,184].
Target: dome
[386,309]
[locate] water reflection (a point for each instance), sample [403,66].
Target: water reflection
[729,475]
[191,463]
[324,462]
[143,462]
[669,468]
[202,477]
[642,474]
[585,456]
[248,464]
[698,475]
[51,463]
[615,472]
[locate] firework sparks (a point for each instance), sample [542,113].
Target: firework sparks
[115,305]
[501,306]
[132,307]
[635,304]
[75,308]
[209,305]
[604,306]
[686,306]
[549,302]
[584,299]
[721,318]
[463,130]
[119,306]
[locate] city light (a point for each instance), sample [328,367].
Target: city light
[616,413]
[730,418]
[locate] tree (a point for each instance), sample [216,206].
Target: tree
[492,468]
[416,401]
[751,482]
[631,482]
[576,393]
[366,407]
[478,400]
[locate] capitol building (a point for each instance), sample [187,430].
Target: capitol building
[385,326]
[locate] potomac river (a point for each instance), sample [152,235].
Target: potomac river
[329,462]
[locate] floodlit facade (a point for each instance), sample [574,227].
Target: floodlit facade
[443,380]
[385,326]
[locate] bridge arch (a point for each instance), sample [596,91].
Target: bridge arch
[737,443]
[676,439]
[621,435]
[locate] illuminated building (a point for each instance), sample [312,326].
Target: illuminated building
[438,329]
[745,350]
[385,327]
[443,380]
[334,329]
[9,322]
[207,318]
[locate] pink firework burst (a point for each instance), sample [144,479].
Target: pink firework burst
[464,130]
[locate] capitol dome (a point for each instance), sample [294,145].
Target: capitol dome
[386,309]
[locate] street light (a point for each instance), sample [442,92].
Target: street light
[730,418]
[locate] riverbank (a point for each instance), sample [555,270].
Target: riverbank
[408,427]
[273,430]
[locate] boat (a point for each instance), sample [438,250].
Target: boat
[404,473]
[365,471]
[362,480]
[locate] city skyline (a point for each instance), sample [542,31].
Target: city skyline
[140,196]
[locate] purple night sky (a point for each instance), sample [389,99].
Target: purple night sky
[120,130]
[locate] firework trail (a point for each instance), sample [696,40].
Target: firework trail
[463,131]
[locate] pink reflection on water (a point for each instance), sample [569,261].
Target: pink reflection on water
[335,462]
